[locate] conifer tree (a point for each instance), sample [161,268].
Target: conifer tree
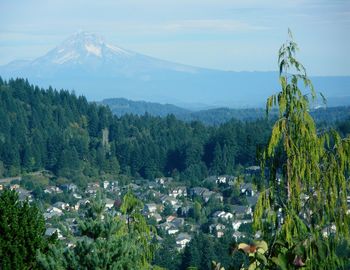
[22,229]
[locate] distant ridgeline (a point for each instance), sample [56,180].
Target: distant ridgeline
[122,106]
[65,134]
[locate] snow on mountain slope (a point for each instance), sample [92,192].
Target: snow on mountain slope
[92,67]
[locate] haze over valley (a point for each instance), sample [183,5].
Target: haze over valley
[92,67]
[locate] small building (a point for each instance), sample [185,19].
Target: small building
[241,210]
[69,187]
[182,240]
[170,218]
[166,198]
[173,230]
[178,191]
[150,208]
[109,203]
[223,215]
[238,235]
[178,222]
[237,223]
[217,229]
[157,217]
[105,184]
[61,205]
[52,190]
[51,231]
[198,191]
[248,189]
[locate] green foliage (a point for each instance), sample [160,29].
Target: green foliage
[22,229]
[63,133]
[307,192]
[167,255]
[107,242]
[204,249]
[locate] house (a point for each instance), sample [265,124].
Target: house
[81,202]
[51,212]
[198,191]
[105,184]
[53,209]
[157,217]
[92,188]
[247,189]
[182,240]
[61,205]
[51,231]
[72,225]
[170,218]
[183,210]
[178,191]
[164,226]
[241,210]
[238,235]
[133,186]
[24,194]
[150,208]
[77,196]
[223,215]
[69,187]
[52,189]
[1,187]
[252,170]
[217,229]
[173,229]
[161,180]
[217,196]
[177,222]
[166,198]
[109,203]
[164,180]
[237,223]
[222,179]
[206,195]
[114,186]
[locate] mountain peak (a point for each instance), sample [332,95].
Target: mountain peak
[82,46]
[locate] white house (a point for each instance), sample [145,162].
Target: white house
[150,207]
[223,215]
[237,223]
[178,191]
[182,240]
[105,184]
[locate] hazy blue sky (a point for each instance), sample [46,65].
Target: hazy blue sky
[224,34]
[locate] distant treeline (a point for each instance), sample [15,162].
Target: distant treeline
[217,116]
[63,133]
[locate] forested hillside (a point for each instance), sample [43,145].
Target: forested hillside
[63,133]
[217,116]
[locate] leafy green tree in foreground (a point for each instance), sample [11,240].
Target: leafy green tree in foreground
[107,242]
[22,229]
[303,213]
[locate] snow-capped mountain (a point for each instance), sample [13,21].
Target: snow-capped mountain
[89,65]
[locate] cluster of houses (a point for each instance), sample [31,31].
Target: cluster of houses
[156,195]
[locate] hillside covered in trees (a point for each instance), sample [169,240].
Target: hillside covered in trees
[63,133]
[216,116]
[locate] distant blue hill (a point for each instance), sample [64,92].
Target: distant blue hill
[87,64]
[122,106]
